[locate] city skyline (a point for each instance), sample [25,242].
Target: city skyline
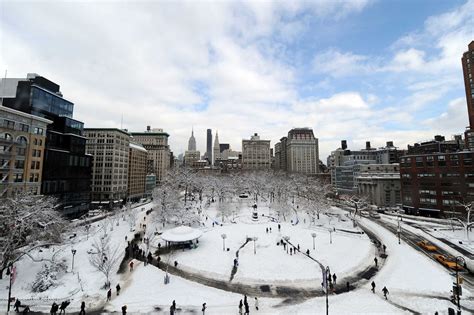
[265,67]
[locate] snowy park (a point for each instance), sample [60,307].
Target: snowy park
[216,240]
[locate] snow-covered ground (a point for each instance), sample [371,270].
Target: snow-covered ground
[416,283]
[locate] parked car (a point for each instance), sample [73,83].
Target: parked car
[426,245]
[448,262]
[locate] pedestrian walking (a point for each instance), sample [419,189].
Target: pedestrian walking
[131,266]
[376,261]
[117,287]
[348,286]
[247,308]
[203,308]
[373,287]
[298,247]
[270,230]
[173,307]
[256,303]
[334,278]
[17,305]
[279,226]
[54,309]
[83,308]
[109,295]
[64,305]
[175,263]
[385,292]
[384,248]
[241,307]
[291,250]
[124,309]
[307,252]
[267,230]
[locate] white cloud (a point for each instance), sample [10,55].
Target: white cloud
[337,64]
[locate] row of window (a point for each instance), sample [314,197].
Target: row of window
[10,124]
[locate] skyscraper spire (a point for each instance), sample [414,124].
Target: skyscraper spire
[216,149]
[192,141]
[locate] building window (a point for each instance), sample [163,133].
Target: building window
[9,124]
[20,151]
[24,127]
[38,131]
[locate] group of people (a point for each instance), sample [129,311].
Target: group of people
[62,308]
[384,290]
[109,293]
[244,307]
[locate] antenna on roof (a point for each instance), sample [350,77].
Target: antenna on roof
[3,87]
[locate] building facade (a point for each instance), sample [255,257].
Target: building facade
[137,158]
[22,145]
[437,184]
[302,151]
[110,149]
[190,157]
[192,142]
[380,183]
[369,171]
[208,155]
[467,61]
[216,150]
[155,141]
[256,153]
[66,172]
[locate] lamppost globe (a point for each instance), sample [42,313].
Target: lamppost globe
[73,251]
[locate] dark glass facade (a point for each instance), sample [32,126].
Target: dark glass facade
[67,168]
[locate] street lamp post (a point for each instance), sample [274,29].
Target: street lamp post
[458,287]
[11,273]
[224,236]
[254,245]
[73,251]
[399,229]
[314,236]
[330,236]
[328,274]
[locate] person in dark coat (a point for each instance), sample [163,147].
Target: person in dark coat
[307,252]
[173,307]
[384,248]
[247,308]
[175,263]
[241,307]
[64,305]
[109,294]
[203,308]
[17,305]
[117,287]
[334,278]
[376,261]
[83,308]
[150,258]
[124,309]
[348,286]
[131,266]
[385,292]
[373,287]
[54,308]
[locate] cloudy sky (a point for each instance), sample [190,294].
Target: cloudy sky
[357,70]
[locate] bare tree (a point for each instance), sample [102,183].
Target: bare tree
[27,219]
[466,224]
[104,257]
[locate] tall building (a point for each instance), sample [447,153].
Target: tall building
[437,177]
[468,72]
[216,154]
[22,143]
[256,153]
[192,142]
[67,168]
[137,174]
[302,151]
[191,157]
[155,141]
[109,148]
[209,146]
